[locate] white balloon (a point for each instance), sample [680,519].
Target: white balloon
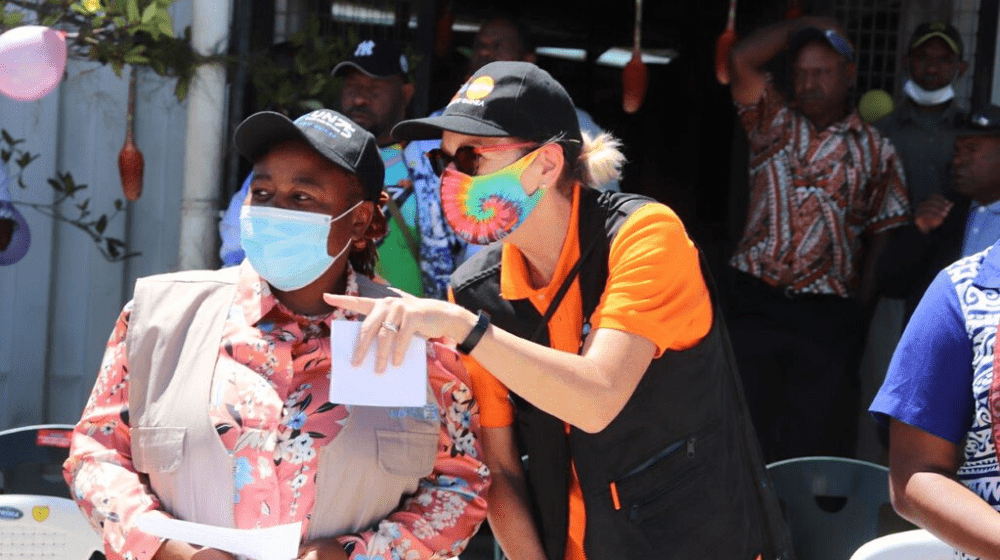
[32,61]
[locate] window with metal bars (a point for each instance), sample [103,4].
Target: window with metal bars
[874,28]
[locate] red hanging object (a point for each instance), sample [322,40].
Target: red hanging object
[723,45]
[794,10]
[443,31]
[635,75]
[130,160]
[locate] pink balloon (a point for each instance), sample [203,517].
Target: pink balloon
[32,61]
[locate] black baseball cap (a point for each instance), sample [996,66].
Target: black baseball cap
[334,136]
[380,58]
[828,36]
[507,98]
[983,122]
[943,30]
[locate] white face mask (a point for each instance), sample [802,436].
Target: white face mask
[927,98]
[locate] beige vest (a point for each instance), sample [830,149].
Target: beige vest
[175,330]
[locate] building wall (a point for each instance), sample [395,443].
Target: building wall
[61,300]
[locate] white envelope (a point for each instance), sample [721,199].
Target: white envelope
[405,385]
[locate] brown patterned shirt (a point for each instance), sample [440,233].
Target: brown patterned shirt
[812,196]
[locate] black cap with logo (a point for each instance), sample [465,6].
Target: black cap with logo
[983,122]
[334,136]
[944,31]
[378,58]
[515,99]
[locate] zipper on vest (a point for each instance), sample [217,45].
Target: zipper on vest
[670,449]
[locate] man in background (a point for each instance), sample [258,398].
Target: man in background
[825,188]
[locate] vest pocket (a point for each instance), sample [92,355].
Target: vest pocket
[658,495]
[407,454]
[157,450]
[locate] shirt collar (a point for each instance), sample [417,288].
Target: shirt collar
[992,208]
[257,301]
[989,271]
[515,279]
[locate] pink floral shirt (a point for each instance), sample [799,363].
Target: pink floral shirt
[269,406]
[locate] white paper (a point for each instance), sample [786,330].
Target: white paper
[274,543]
[405,385]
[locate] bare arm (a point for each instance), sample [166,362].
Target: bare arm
[924,490]
[586,390]
[748,57]
[509,511]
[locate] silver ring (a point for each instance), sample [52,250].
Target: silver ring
[391,327]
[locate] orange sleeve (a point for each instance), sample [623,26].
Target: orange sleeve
[495,409]
[655,287]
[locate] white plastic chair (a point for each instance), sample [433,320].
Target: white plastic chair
[908,545]
[45,527]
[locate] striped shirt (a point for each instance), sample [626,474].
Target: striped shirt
[812,196]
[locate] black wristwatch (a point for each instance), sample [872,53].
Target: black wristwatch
[476,334]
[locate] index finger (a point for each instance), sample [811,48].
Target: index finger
[356,304]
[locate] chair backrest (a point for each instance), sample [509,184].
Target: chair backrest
[917,544]
[31,460]
[833,505]
[45,527]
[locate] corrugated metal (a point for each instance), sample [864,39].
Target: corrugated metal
[60,302]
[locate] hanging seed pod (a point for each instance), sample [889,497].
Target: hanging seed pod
[635,75]
[130,160]
[723,45]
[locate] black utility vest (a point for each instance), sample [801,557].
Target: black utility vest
[677,474]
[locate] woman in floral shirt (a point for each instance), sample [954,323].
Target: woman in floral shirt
[268,392]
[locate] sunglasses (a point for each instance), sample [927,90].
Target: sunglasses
[466,158]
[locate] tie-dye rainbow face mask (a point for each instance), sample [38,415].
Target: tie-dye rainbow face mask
[486,208]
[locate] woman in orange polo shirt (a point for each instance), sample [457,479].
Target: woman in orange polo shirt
[591,337]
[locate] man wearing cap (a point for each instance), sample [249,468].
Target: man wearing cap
[421,251]
[940,234]
[922,127]
[213,401]
[941,395]
[825,188]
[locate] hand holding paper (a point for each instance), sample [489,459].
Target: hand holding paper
[403,385]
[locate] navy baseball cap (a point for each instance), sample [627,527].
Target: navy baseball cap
[828,36]
[515,99]
[334,136]
[380,58]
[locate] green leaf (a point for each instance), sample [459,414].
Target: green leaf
[6,136]
[149,13]
[57,186]
[116,65]
[120,22]
[102,224]
[12,19]
[181,90]
[132,11]
[118,204]
[311,104]
[5,156]
[112,247]
[166,28]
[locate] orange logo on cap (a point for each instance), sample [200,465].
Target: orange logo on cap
[480,88]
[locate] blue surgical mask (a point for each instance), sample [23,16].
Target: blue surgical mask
[287,248]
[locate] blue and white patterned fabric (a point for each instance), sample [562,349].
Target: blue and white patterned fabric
[440,248]
[940,376]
